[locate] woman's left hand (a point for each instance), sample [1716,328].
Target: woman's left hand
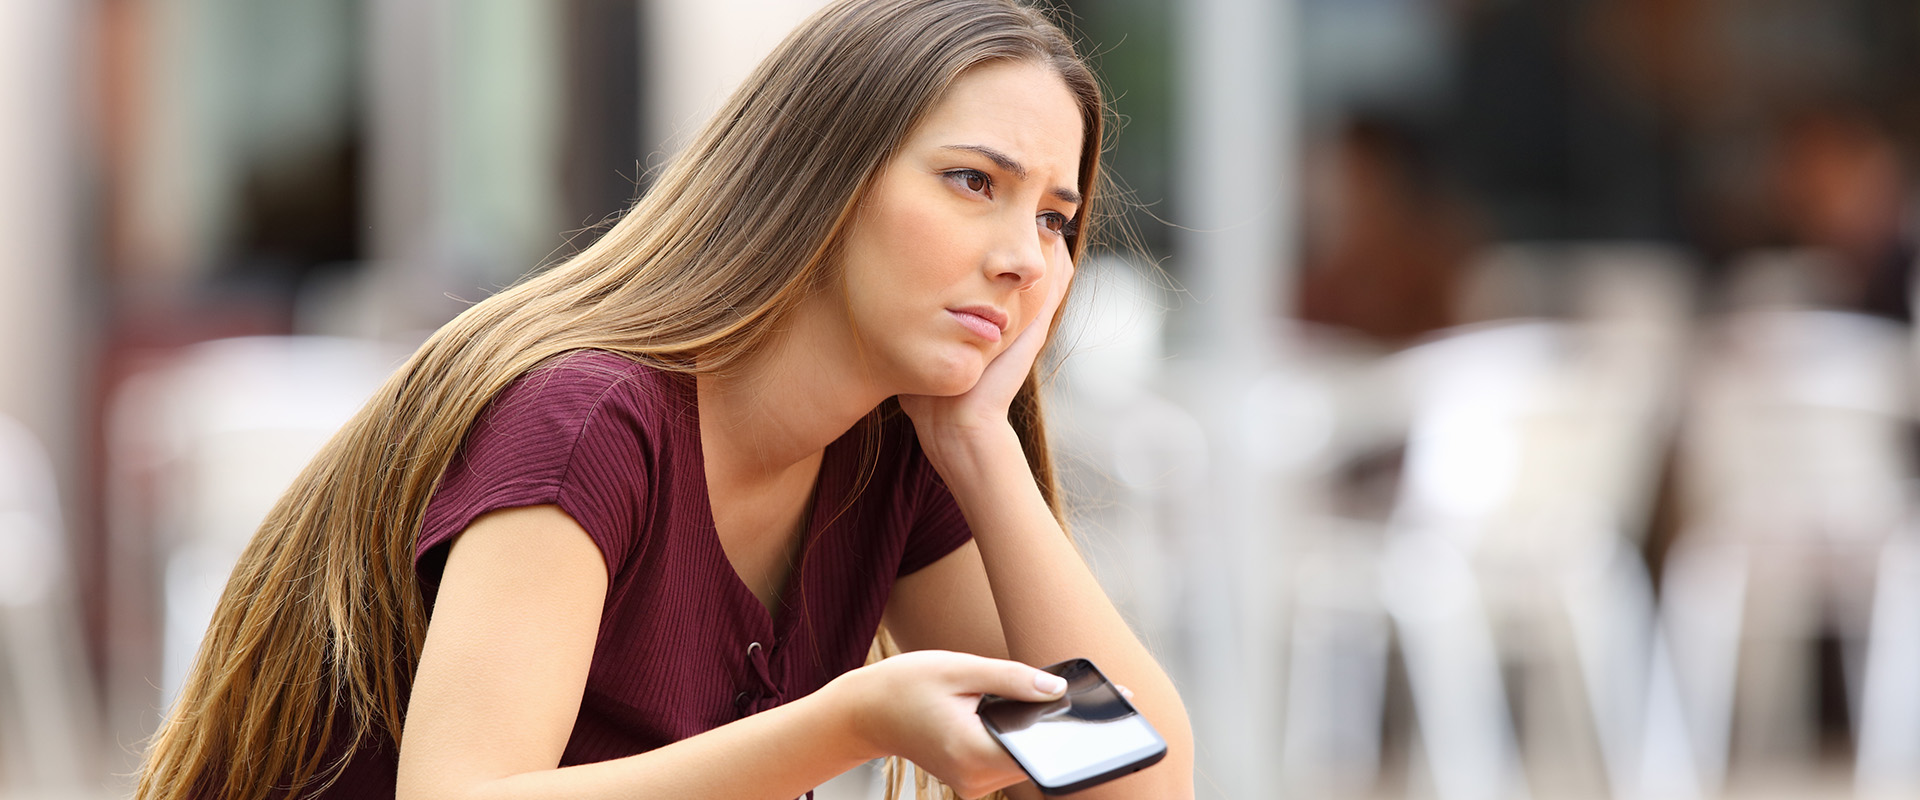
[940,421]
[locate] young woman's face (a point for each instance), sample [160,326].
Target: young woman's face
[950,256]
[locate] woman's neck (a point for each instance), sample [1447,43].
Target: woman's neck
[781,406]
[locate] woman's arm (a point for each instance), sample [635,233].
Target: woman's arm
[1031,597]
[1048,604]
[505,665]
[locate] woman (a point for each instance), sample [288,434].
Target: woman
[628,528]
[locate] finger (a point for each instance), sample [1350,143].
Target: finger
[1124,691]
[1012,679]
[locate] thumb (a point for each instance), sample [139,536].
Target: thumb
[1017,681]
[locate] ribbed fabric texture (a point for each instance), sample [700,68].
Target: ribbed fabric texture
[684,646]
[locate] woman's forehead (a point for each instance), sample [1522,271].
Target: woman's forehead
[1021,109]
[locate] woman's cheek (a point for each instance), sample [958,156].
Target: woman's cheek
[1030,302]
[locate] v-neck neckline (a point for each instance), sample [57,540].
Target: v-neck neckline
[777,621]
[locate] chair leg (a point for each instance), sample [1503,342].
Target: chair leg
[1611,611]
[1888,758]
[1336,691]
[1667,767]
[1701,617]
[1454,671]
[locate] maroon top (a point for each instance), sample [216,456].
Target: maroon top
[684,646]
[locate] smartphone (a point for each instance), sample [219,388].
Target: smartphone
[1087,737]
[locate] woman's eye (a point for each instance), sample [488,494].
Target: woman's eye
[974,180]
[1057,223]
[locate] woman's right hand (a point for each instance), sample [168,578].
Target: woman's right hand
[923,705]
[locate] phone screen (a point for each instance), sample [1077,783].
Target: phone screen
[1089,736]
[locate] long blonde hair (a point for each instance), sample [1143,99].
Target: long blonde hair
[319,630]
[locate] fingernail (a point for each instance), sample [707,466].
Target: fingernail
[1049,682]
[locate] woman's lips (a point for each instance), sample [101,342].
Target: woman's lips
[980,322]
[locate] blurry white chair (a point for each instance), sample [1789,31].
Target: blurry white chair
[1274,430]
[1532,456]
[1530,467]
[200,449]
[1313,426]
[1888,762]
[1795,468]
[47,707]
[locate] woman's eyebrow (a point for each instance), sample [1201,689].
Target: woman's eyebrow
[1006,162]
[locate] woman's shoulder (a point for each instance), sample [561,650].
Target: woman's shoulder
[600,368]
[583,430]
[579,382]
[590,393]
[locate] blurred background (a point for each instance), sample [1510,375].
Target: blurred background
[1505,398]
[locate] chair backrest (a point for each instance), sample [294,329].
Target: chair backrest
[1535,423]
[1801,417]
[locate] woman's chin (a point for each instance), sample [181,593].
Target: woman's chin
[949,377]
[948,386]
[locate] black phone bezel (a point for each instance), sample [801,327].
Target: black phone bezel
[1064,669]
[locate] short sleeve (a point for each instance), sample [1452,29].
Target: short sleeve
[938,528]
[572,435]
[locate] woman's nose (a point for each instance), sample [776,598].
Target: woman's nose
[1022,259]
